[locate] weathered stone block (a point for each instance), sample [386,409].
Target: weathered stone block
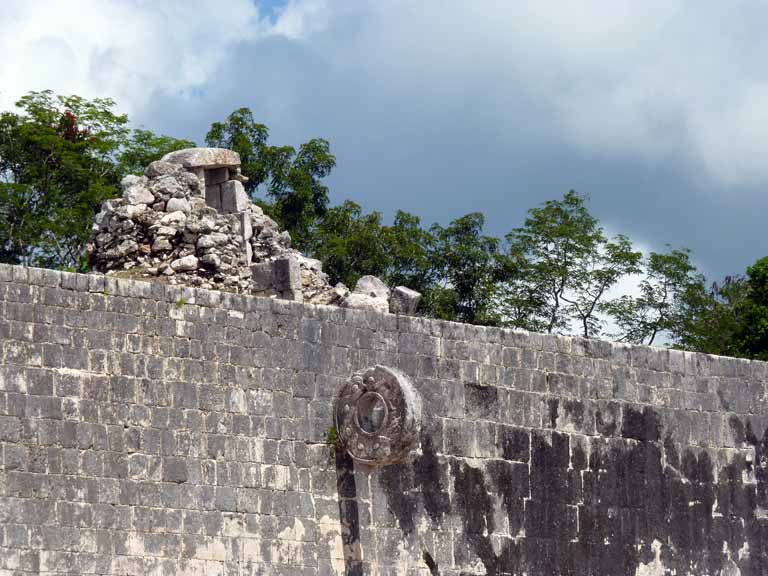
[180,204]
[372,286]
[138,194]
[213,196]
[185,264]
[233,197]
[288,273]
[404,301]
[280,277]
[174,470]
[160,168]
[246,228]
[248,253]
[365,302]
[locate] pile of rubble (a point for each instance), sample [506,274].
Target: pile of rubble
[189,220]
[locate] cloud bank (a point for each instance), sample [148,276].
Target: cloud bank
[127,50]
[655,79]
[659,109]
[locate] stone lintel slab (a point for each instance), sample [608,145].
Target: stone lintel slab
[204,158]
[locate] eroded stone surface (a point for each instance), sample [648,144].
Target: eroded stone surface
[280,277]
[166,224]
[203,158]
[378,416]
[372,286]
[161,168]
[191,206]
[147,428]
[370,293]
[404,301]
[366,302]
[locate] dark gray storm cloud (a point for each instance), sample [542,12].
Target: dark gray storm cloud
[658,110]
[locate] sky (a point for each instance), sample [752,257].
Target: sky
[658,110]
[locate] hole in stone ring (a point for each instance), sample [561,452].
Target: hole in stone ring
[371,412]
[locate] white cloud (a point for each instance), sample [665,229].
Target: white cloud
[659,79]
[128,50]
[656,80]
[301,18]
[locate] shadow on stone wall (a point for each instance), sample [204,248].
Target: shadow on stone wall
[633,501]
[346,489]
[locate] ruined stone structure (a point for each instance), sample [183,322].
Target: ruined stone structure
[188,221]
[151,429]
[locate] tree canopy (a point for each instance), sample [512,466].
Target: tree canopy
[466,267]
[292,178]
[669,279]
[558,271]
[60,157]
[752,333]
[560,267]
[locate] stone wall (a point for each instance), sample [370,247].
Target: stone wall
[149,429]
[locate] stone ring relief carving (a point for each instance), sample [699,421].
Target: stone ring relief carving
[378,415]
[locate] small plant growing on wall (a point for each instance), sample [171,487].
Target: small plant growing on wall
[333,441]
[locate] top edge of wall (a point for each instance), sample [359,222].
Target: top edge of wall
[652,357]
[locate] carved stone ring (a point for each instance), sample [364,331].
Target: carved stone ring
[378,415]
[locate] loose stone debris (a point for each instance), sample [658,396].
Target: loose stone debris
[188,220]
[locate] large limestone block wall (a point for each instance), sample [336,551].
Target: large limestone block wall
[148,429]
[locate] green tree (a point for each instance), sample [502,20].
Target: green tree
[753,331]
[613,260]
[729,318]
[144,147]
[711,319]
[57,163]
[300,198]
[241,133]
[60,157]
[351,244]
[22,222]
[409,248]
[559,267]
[519,300]
[669,278]
[466,270]
[292,178]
